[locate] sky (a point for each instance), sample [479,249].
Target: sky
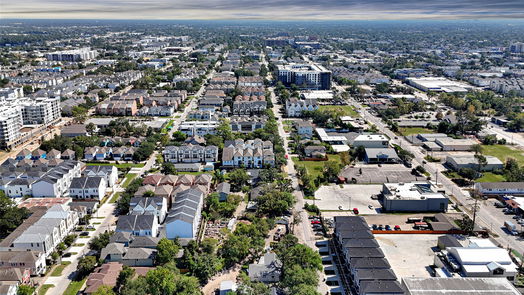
[268,9]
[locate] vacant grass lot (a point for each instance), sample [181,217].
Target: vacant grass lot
[407,131]
[490,177]
[118,166]
[314,168]
[346,110]
[502,152]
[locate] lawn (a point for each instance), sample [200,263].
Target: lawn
[407,131]
[43,289]
[314,168]
[118,166]
[128,179]
[490,177]
[502,152]
[57,271]
[74,287]
[346,110]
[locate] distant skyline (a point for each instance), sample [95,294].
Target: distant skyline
[269,9]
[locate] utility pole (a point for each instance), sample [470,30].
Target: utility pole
[475,208]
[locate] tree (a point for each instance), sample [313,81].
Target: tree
[100,242]
[168,168]
[304,290]
[86,265]
[138,286]
[25,290]
[70,239]
[10,215]
[126,274]
[468,173]
[302,256]
[274,203]
[296,275]
[235,249]
[248,287]
[345,158]
[167,251]
[179,136]
[104,290]
[206,265]
[331,170]
[161,281]
[238,178]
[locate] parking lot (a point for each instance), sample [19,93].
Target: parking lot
[409,255]
[373,174]
[347,197]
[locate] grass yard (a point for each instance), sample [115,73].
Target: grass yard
[314,168]
[43,289]
[57,271]
[74,287]
[128,179]
[490,177]
[118,166]
[502,152]
[345,110]
[407,131]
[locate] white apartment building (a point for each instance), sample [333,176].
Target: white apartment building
[10,125]
[72,55]
[40,110]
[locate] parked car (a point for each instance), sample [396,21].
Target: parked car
[371,207]
[315,222]
[397,227]
[499,205]
[387,227]
[355,210]
[374,227]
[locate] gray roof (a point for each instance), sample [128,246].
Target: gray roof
[381,287]
[144,242]
[135,222]
[501,185]
[140,253]
[389,153]
[224,187]
[121,237]
[376,274]
[459,285]
[85,182]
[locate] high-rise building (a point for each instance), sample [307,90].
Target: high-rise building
[10,125]
[41,110]
[517,47]
[305,76]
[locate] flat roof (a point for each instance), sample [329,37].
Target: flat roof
[325,137]
[459,285]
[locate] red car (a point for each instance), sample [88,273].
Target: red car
[355,210]
[397,227]
[286,156]
[315,222]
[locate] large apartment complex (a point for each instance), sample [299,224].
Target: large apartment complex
[305,76]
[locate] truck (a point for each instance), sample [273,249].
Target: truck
[511,227]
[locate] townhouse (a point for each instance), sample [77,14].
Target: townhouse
[109,173]
[190,153]
[88,188]
[295,107]
[249,154]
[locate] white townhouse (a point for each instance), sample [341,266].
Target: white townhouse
[190,153]
[88,188]
[295,107]
[156,206]
[109,173]
[250,154]
[184,218]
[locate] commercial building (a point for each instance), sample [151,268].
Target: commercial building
[371,141]
[413,197]
[305,76]
[500,188]
[81,54]
[452,144]
[457,162]
[458,285]
[438,84]
[381,156]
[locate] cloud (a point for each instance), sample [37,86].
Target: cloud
[269,9]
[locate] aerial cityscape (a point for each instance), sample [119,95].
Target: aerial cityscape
[243,148]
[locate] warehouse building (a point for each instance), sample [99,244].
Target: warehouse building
[413,197]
